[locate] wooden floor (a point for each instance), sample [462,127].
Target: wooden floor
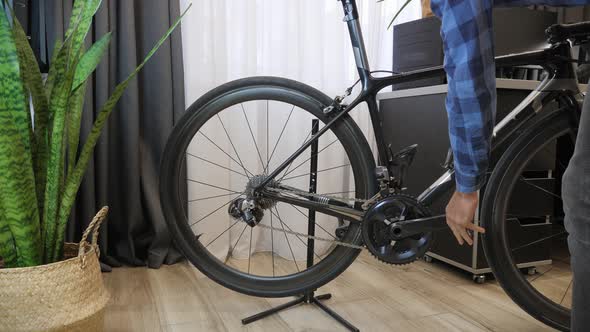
[373,296]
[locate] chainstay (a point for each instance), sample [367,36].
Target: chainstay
[306,193]
[313,237]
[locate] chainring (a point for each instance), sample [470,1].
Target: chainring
[375,230]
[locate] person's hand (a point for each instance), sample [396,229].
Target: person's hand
[460,213]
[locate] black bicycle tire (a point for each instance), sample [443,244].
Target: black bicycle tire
[351,138]
[495,245]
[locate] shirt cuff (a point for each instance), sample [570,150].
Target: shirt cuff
[468,183]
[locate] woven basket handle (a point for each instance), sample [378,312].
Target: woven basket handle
[92,228]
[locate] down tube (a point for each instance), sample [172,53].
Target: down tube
[441,186]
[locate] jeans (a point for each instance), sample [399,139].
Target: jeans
[576,201]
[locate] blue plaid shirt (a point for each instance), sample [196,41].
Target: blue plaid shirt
[467,34]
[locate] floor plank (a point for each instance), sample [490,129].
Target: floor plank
[373,296]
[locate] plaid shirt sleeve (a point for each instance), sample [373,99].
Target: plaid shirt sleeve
[467,34]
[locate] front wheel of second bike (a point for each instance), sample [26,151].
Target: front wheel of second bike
[527,247]
[229,141]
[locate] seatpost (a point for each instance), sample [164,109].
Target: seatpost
[351,17]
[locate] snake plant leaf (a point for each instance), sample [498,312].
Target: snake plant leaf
[51,74]
[60,94]
[78,33]
[62,52]
[80,23]
[90,60]
[76,14]
[74,121]
[17,181]
[34,83]
[7,247]
[399,12]
[75,178]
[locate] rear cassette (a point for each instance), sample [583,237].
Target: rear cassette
[377,231]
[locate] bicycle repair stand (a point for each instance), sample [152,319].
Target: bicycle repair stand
[308,297]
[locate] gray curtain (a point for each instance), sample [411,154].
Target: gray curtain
[124,171]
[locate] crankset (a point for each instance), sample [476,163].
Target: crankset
[398,229]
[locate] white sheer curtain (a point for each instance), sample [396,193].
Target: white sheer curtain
[304,40]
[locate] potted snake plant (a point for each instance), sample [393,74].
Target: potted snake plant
[41,171]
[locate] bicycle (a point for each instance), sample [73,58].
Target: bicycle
[372,212]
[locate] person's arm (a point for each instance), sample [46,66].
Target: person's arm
[467,34]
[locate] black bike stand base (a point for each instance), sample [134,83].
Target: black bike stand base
[309,299]
[309,296]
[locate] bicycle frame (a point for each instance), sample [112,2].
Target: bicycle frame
[560,86]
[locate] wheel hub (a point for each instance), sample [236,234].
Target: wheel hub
[251,209]
[251,194]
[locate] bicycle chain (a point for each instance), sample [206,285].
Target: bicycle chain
[313,237]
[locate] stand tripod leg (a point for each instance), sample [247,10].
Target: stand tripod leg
[337,317]
[272,311]
[323,297]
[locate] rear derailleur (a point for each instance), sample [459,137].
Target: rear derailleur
[246,210]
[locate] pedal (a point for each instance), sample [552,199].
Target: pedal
[401,161]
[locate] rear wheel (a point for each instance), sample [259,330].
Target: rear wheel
[230,140]
[526,244]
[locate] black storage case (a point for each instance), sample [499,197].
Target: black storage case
[417,44]
[418,116]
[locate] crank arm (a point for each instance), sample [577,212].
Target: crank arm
[404,229]
[332,210]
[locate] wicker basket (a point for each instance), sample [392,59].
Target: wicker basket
[63,296]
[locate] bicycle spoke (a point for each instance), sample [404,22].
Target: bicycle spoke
[227,154]
[320,171]
[308,159]
[233,146]
[230,227]
[280,135]
[517,216]
[292,161]
[540,275]
[539,240]
[238,241]
[540,188]
[252,134]
[211,197]
[219,208]
[272,243]
[289,228]
[212,186]
[267,140]
[317,224]
[567,289]
[289,244]
[210,162]
[250,249]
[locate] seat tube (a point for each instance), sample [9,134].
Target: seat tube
[351,18]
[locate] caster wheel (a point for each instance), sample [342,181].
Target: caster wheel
[479,278]
[531,271]
[427,259]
